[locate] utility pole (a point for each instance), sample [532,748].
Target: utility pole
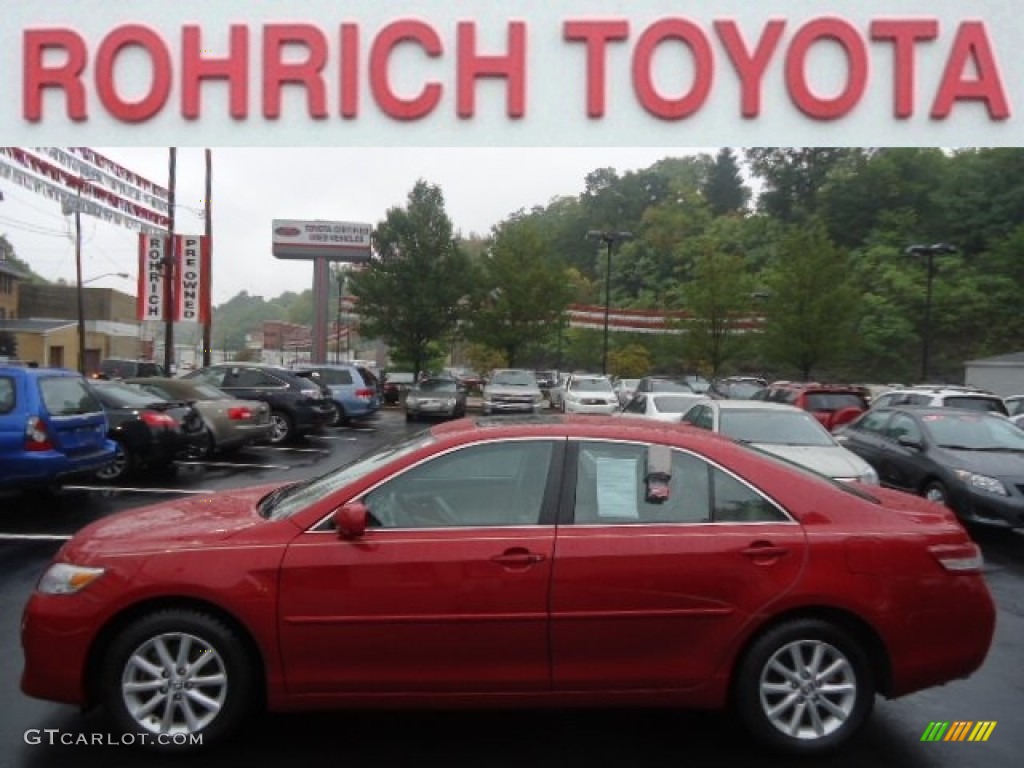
[208,218]
[169,265]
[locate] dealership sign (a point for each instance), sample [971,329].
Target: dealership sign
[190,295]
[527,73]
[331,240]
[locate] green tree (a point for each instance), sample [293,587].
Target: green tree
[522,293]
[410,291]
[811,304]
[724,189]
[794,177]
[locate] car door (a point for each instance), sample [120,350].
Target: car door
[904,464]
[867,437]
[447,591]
[652,595]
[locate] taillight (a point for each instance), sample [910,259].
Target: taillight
[960,558]
[36,436]
[364,394]
[155,419]
[239,414]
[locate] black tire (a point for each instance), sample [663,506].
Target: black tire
[217,687]
[936,491]
[125,464]
[799,713]
[284,427]
[409,416]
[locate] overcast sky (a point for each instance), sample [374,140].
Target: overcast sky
[251,187]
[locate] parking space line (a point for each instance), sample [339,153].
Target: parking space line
[331,437]
[296,450]
[117,489]
[35,536]
[231,464]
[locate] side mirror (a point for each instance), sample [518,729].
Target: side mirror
[350,520]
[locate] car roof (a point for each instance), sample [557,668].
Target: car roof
[24,370]
[753,405]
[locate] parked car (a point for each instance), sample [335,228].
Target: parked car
[396,385]
[123,368]
[512,390]
[785,431]
[150,431]
[230,423]
[944,396]
[435,397]
[832,404]
[970,461]
[298,405]
[659,406]
[1014,405]
[662,384]
[589,393]
[52,428]
[355,390]
[689,571]
[736,388]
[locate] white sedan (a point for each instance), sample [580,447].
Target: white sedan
[588,393]
[784,430]
[660,406]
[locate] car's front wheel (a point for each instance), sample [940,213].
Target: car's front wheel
[936,491]
[804,687]
[180,676]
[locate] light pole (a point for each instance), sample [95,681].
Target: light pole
[337,321]
[609,239]
[124,275]
[928,251]
[75,205]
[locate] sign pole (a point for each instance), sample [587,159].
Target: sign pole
[168,264]
[208,218]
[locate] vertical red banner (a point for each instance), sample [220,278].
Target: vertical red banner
[150,301]
[191,253]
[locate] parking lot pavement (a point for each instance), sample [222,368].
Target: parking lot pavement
[32,530]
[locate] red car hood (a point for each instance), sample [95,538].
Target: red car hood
[187,522]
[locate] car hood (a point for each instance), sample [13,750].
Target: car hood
[193,521]
[992,463]
[510,389]
[832,461]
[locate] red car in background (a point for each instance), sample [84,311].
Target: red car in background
[689,571]
[833,405]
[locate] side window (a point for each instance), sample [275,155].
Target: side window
[735,502]
[253,377]
[918,399]
[610,487]
[479,485]
[873,422]
[214,376]
[883,400]
[705,419]
[903,426]
[6,394]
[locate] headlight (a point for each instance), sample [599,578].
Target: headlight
[981,482]
[66,579]
[869,476]
[450,402]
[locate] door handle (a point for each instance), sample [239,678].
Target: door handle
[518,557]
[764,550]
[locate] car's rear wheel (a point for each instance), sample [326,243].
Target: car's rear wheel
[283,427]
[176,675]
[804,687]
[120,467]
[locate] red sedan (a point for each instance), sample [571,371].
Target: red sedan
[537,562]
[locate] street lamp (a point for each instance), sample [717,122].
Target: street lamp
[609,239]
[124,275]
[929,251]
[75,205]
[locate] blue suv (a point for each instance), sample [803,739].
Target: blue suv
[355,391]
[52,428]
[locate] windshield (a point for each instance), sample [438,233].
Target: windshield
[591,385]
[675,403]
[286,501]
[668,385]
[773,428]
[834,401]
[116,395]
[437,385]
[974,432]
[969,403]
[514,379]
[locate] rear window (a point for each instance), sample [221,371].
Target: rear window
[974,403]
[67,396]
[335,377]
[6,394]
[834,401]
